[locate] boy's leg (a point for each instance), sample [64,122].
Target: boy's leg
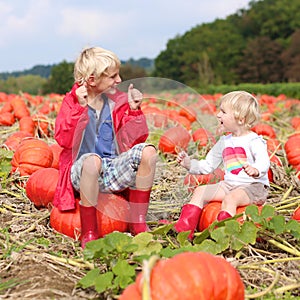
[139,198]
[89,191]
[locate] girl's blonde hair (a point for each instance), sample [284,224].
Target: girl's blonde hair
[94,61]
[244,106]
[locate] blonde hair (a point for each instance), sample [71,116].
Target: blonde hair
[244,105]
[94,61]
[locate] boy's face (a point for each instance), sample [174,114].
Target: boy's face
[109,80]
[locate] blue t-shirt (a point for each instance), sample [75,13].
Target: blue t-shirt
[99,134]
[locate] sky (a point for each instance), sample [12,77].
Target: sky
[47,32]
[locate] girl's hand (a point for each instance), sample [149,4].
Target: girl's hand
[250,171]
[184,160]
[82,95]
[135,97]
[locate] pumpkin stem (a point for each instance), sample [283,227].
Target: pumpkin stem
[147,267]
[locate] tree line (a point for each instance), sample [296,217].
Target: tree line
[260,44]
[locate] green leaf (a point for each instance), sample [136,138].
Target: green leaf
[253,213]
[104,282]
[123,281]
[118,241]
[277,224]
[96,249]
[267,211]
[163,230]
[123,268]
[182,238]
[146,244]
[89,279]
[246,235]
[294,228]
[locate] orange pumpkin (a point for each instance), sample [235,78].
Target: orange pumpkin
[41,186]
[13,141]
[203,137]
[189,276]
[26,124]
[292,149]
[20,108]
[7,118]
[56,149]
[296,214]
[31,155]
[264,130]
[66,222]
[112,213]
[210,212]
[174,139]
[193,180]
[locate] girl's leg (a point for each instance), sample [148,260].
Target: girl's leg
[235,198]
[139,197]
[89,190]
[206,193]
[191,212]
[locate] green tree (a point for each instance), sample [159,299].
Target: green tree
[291,59]
[261,61]
[128,71]
[31,84]
[61,79]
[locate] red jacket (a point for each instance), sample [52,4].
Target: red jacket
[130,128]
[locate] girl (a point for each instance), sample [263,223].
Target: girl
[244,157]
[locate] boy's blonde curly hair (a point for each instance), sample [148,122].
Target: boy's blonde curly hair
[94,61]
[244,106]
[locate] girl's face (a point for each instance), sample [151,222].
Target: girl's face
[226,119]
[108,81]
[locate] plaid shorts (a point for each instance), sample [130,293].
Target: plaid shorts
[117,173]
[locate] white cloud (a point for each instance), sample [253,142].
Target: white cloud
[91,24]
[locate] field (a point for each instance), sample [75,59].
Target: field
[37,262]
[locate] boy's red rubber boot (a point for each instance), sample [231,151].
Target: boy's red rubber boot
[89,227]
[223,215]
[139,203]
[188,220]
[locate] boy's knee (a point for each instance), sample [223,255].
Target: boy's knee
[92,164]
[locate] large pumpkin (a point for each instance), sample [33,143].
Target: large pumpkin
[66,222]
[112,214]
[174,139]
[30,156]
[14,140]
[210,212]
[189,276]
[41,186]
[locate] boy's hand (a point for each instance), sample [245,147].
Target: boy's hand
[184,160]
[135,97]
[82,95]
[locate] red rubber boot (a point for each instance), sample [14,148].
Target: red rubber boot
[139,203]
[223,215]
[89,227]
[188,220]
